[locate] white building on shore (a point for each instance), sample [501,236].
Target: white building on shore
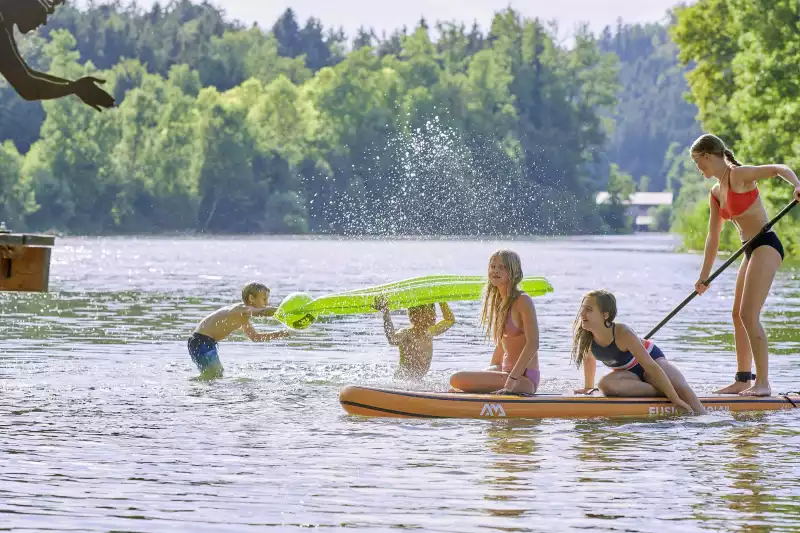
[639,205]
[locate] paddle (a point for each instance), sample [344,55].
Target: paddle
[727,263]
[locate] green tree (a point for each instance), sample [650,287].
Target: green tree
[287,33]
[651,111]
[69,164]
[229,129]
[620,188]
[743,84]
[237,56]
[363,38]
[16,191]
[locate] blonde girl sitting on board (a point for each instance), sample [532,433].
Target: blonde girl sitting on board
[639,367]
[509,319]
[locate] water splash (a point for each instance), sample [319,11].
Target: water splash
[430,180]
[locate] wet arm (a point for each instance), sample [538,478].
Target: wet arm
[388,328]
[589,371]
[447,321]
[497,358]
[266,311]
[530,327]
[712,239]
[750,174]
[627,340]
[255,336]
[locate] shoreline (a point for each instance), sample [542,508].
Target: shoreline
[346,237]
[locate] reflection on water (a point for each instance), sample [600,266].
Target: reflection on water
[103,428]
[510,477]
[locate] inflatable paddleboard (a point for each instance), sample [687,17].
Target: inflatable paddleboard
[367,401]
[299,309]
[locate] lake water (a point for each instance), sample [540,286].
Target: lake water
[103,429]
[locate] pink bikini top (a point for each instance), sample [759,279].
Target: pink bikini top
[511,329]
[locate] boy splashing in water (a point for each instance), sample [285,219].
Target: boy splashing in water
[416,342]
[222,322]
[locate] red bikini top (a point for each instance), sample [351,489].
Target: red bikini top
[736,203]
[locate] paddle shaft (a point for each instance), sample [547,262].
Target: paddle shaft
[725,265]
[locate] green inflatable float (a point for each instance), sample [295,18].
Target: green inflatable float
[298,310]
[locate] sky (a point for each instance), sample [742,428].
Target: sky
[389,15]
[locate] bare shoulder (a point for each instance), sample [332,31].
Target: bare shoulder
[524,302]
[237,311]
[625,333]
[744,176]
[402,334]
[746,170]
[226,309]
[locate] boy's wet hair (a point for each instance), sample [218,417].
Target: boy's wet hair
[253,289]
[419,311]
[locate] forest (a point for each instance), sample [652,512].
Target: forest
[444,128]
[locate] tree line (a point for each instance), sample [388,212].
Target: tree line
[441,129]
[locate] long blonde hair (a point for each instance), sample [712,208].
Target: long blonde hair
[494,310]
[582,339]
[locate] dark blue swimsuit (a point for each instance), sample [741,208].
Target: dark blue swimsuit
[203,350]
[614,358]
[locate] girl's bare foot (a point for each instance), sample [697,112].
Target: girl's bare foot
[758,389]
[742,383]
[734,388]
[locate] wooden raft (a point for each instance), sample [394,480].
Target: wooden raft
[24,261]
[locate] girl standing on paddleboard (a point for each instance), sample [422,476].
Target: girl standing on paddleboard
[640,369]
[509,319]
[735,197]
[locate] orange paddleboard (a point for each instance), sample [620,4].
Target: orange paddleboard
[367,401]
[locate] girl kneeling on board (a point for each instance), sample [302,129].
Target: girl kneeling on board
[639,367]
